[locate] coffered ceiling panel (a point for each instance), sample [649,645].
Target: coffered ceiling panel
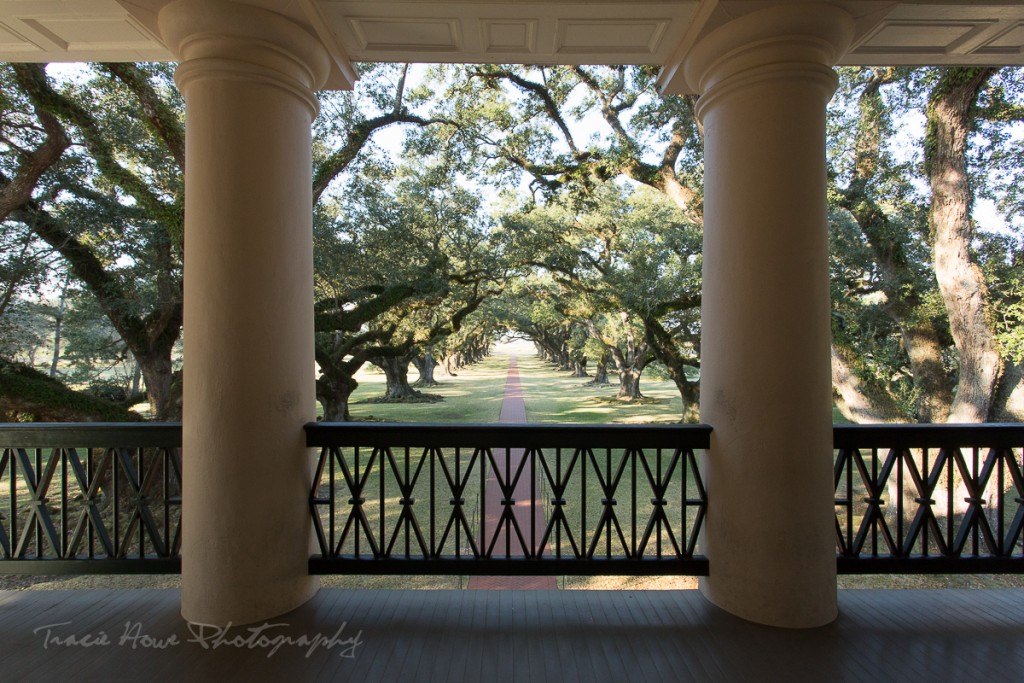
[611,36]
[409,35]
[75,30]
[940,34]
[1009,42]
[658,32]
[548,32]
[513,36]
[921,36]
[94,32]
[11,43]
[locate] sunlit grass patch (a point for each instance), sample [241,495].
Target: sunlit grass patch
[473,395]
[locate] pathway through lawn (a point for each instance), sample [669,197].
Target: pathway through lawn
[498,522]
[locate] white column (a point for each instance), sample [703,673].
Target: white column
[248,77]
[765,80]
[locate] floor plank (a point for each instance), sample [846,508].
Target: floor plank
[518,636]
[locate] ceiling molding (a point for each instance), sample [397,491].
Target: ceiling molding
[943,34]
[654,32]
[343,76]
[672,69]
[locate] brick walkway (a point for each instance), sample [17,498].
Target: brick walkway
[508,461]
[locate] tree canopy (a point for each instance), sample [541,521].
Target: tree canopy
[559,203]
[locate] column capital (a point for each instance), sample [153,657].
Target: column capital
[217,39]
[772,42]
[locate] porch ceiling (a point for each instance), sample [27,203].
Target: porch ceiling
[660,32]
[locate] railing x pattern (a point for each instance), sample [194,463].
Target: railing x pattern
[929,498]
[410,498]
[90,498]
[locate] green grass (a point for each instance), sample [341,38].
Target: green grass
[607,463]
[554,396]
[551,395]
[399,537]
[472,396]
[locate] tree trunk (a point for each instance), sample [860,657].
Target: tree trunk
[158,374]
[396,375]
[333,394]
[629,384]
[690,393]
[664,347]
[579,367]
[425,365]
[898,278]
[564,358]
[548,345]
[857,398]
[32,164]
[137,380]
[934,393]
[150,336]
[58,325]
[630,363]
[1008,404]
[629,370]
[961,282]
[601,372]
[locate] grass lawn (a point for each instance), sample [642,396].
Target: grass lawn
[472,396]
[552,396]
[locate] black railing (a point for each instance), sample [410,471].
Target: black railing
[507,499]
[921,499]
[510,499]
[90,498]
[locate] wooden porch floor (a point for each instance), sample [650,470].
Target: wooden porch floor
[440,636]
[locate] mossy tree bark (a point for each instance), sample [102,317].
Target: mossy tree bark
[965,294]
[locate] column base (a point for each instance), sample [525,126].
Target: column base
[749,610]
[267,607]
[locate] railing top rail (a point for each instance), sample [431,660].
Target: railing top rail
[890,436]
[320,434]
[90,435]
